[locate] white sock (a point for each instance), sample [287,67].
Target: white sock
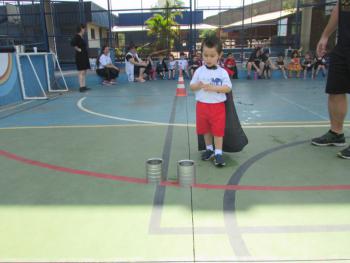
[217,151]
[210,147]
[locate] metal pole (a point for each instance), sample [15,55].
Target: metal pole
[195,28]
[191,33]
[43,25]
[81,12]
[109,24]
[298,23]
[242,33]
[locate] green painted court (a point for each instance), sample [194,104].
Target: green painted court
[73,188]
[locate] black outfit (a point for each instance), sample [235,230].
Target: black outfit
[108,73]
[161,66]
[194,65]
[339,68]
[234,139]
[148,69]
[254,58]
[81,58]
[320,62]
[307,65]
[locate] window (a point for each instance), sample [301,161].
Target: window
[93,33]
[282,27]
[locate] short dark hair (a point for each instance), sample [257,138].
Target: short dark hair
[212,41]
[131,46]
[80,27]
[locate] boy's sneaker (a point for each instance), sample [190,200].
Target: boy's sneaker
[207,155]
[219,160]
[345,154]
[106,83]
[329,139]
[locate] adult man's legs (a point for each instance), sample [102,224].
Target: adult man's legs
[337,108]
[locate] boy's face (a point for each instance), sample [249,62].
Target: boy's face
[210,56]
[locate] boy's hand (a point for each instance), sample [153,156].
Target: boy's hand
[207,87]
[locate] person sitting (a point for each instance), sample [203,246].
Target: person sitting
[268,66]
[134,66]
[161,67]
[230,66]
[105,67]
[280,65]
[183,64]
[254,62]
[150,69]
[194,64]
[172,66]
[320,64]
[308,64]
[294,65]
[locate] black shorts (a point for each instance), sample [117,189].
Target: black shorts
[137,69]
[338,81]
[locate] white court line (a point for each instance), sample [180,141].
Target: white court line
[254,126]
[15,106]
[300,106]
[153,125]
[80,106]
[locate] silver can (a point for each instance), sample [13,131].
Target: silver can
[186,173]
[154,170]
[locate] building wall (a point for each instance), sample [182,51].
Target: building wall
[93,42]
[235,15]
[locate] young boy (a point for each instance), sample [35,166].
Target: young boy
[210,83]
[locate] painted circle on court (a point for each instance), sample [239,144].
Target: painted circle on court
[5,67]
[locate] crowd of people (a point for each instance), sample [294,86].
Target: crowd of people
[168,67]
[298,65]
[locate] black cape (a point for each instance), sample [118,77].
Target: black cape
[234,139]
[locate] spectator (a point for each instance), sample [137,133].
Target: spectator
[134,66]
[105,67]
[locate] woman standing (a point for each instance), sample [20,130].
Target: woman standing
[81,56]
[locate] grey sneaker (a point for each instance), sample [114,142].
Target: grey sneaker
[345,154]
[329,139]
[207,155]
[219,160]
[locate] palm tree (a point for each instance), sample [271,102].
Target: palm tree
[163,25]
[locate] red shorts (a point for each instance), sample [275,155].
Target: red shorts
[211,118]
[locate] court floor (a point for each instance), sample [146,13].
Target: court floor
[73,188]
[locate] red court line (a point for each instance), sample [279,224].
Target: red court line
[72,171]
[135,180]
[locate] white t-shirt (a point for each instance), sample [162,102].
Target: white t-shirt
[104,60]
[216,77]
[172,64]
[183,64]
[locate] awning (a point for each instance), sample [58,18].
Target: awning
[274,16]
[144,28]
